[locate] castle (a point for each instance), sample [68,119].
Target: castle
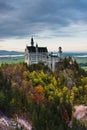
[36,54]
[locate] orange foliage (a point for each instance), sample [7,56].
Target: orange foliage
[39,94]
[39,99]
[39,89]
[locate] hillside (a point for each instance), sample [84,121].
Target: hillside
[43,98]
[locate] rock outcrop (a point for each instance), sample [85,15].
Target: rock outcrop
[80,112]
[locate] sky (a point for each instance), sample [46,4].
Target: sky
[52,23]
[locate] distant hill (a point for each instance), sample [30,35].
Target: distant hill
[5,52]
[74,54]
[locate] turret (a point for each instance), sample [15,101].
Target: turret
[36,45]
[36,53]
[60,53]
[32,42]
[36,48]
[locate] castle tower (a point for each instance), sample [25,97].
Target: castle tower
[60,53]
[36,53]
[32,42]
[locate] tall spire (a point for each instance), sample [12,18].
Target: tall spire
[32,42]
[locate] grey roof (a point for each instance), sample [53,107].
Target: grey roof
[40,49]
[31,48]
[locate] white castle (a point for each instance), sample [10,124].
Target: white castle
[35,54]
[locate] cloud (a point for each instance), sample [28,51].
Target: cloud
[21,18]
[5,7]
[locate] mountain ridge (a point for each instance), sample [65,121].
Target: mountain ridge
[5,52]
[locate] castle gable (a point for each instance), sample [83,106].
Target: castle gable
[40,49]
[31,48]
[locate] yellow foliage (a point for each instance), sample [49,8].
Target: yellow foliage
[71,98]
[65,89]
[85,87]
[50,98]
[84,80]
[75,89]
[25,74]
[60,94]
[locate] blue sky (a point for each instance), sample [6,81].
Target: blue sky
[52,23]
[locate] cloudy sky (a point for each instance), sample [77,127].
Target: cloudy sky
[52,23]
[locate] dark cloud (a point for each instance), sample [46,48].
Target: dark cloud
[5,7]
[20,18]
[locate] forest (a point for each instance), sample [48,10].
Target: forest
[44,98]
